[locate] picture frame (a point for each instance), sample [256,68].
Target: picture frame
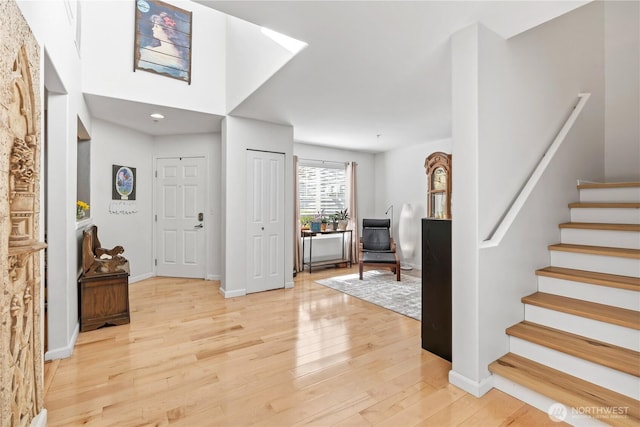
[163,39]
[123,183]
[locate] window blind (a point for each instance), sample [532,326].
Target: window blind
[321,188]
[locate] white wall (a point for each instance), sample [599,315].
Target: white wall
[201,145]
[526,87]
[239,135]
[108,55]
[400,177]
[252,58]
[54,28]
[622,82]
[116,145]
[464,211]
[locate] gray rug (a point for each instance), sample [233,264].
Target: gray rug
[381,288]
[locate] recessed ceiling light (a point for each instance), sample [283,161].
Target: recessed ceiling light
[156,116]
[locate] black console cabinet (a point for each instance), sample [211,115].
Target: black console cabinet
[436,286]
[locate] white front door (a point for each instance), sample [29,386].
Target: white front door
[265,221]
[180,242]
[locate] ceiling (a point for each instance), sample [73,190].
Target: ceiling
[135,115]
[376,75]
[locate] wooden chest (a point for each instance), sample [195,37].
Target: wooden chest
[104,301]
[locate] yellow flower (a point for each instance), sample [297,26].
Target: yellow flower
[82,205]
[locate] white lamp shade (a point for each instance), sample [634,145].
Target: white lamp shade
[406,231]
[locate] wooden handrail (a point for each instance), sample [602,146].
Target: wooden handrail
[501,229]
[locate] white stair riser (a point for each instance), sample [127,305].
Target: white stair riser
[606,215]
[599,263]
[594,329]
[616,297]
[603,376]
[610,238]
[543,403]
[624,194]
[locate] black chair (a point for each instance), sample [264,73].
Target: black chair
[377,248]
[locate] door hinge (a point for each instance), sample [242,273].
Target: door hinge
[156,262]
[156,218]
[156,174]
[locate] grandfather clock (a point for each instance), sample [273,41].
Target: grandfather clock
[436,258]
[438,169]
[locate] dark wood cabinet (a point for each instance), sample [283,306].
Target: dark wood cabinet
[104,301]
[436,287]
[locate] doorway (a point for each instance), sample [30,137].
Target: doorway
[179,217]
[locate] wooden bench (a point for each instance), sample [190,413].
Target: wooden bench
[103,284]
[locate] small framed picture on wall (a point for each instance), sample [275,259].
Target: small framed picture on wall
[124,183]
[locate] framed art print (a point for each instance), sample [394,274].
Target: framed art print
[163,39]
[123,183]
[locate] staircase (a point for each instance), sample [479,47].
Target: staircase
[579,344]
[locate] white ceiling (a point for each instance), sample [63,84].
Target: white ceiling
[135,115]
[375,76]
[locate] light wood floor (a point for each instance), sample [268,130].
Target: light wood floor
[303,356]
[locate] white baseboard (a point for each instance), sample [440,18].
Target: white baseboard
[472,387]
[545,404]
[213,277]
[134,279]
[64,352]
[233,294]
[40,420]
[288,285]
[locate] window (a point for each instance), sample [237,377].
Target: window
[321,187]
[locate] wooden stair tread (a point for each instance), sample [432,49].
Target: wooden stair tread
[592,277]
[565,388]
[608,185]
[612,356]
[604,313]
[597,250]
[601,226]
[604,205]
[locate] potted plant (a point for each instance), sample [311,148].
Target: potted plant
[342,216]
[323,224]
[316,223]
[333,223]
[305,221]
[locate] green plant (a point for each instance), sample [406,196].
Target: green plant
[342,215]
[306,220]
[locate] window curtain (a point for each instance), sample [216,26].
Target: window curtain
[352,194]
[297,257]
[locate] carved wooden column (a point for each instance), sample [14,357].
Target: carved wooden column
[21,387]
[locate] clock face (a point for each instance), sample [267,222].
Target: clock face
[439,179]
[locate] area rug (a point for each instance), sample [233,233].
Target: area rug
[381,288]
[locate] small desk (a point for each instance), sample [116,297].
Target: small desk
[311,234]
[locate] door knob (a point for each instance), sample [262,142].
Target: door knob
[198,226]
